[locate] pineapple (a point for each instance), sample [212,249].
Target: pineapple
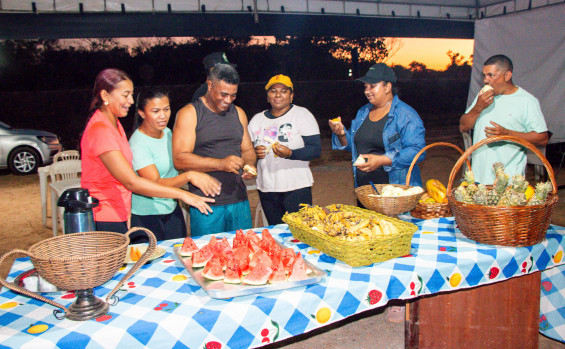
[519,183]
[542,189]
[460,194]
[480,196]
[511,197]
[471,186]
[499,185]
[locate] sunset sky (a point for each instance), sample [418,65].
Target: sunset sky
[431,52]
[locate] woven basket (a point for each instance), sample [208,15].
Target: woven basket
[426,210]
[80,261]
[387,205]
[499,225]
[356,253]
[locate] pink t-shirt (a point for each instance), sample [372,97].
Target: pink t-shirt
[101,136]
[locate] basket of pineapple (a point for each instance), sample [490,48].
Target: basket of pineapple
[433,204]
[510,212]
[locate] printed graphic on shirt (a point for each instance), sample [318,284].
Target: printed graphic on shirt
[285,133]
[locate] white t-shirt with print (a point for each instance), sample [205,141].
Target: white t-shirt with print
[276,174]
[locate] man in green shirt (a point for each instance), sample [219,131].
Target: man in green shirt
[502,109]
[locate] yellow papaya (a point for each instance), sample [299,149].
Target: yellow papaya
[436,190]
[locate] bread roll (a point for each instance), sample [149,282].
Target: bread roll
[485,89]
[360,161]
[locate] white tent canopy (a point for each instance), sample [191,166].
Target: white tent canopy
[455,9]
[535,42]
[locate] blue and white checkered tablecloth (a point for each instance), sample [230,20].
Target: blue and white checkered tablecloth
[161,307]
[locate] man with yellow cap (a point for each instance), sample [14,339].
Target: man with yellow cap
[286,138]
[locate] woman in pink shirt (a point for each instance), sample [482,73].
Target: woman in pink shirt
[107,170]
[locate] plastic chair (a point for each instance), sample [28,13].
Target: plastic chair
[66,155]
[64,175]
[259,212]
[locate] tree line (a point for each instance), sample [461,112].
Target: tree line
[39,65]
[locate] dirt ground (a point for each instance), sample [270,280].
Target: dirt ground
[21,226]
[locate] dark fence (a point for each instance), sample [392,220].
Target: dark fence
[439,102]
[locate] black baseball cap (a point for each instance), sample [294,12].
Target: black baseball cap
[377,73]
[215,58]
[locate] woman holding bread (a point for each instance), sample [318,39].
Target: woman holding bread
[286,137]
[385,135]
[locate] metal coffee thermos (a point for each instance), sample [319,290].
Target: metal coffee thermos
[78,204]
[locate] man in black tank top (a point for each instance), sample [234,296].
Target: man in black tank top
[211,136]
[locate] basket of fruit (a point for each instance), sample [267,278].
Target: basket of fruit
[351,234]
[509,212]
[389,199]
[433,204]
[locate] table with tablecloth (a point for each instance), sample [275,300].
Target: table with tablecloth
[161,306]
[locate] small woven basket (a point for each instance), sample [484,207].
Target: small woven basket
[387,205]
[80,261]
[500,225]
[427,210]
[356,253]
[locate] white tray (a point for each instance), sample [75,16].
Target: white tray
[220,290]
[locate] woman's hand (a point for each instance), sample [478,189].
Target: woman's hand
[373,162]
[281,151]
[209,185]
[337,127]
[261,151]
[198,202]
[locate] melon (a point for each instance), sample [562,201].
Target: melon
[260,257]
[254,238]
[259,275]
[188,247]
[278,275]
[240,239]
[213,270]
[298,271]
[266,236]
[233,273]
[202,256]
[241,254]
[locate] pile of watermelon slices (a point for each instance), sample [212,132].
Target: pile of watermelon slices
[252,260]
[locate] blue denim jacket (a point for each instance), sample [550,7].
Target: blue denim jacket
[403,137]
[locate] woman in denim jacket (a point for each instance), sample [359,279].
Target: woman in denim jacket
[386,132]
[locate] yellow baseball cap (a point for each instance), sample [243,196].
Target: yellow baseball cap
[279,79]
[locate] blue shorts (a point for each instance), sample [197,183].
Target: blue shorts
[224,218]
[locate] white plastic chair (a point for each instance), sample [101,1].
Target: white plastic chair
[64,175]
[66,155]
[259,212]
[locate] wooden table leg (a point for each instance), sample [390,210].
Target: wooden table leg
[504,315]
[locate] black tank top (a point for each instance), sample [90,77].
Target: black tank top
[217,136]
[369,140]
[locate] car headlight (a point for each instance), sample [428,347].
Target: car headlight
[49,139]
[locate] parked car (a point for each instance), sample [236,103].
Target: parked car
[23,151]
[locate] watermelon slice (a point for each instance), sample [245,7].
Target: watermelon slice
[239,239]
[298,271]
[213,270]
[202,256]
[260,257]
[254,238]
[266,236]
[278,275]
[287,256]
[188,247]
[233,272]
[241,254]
[259,275]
